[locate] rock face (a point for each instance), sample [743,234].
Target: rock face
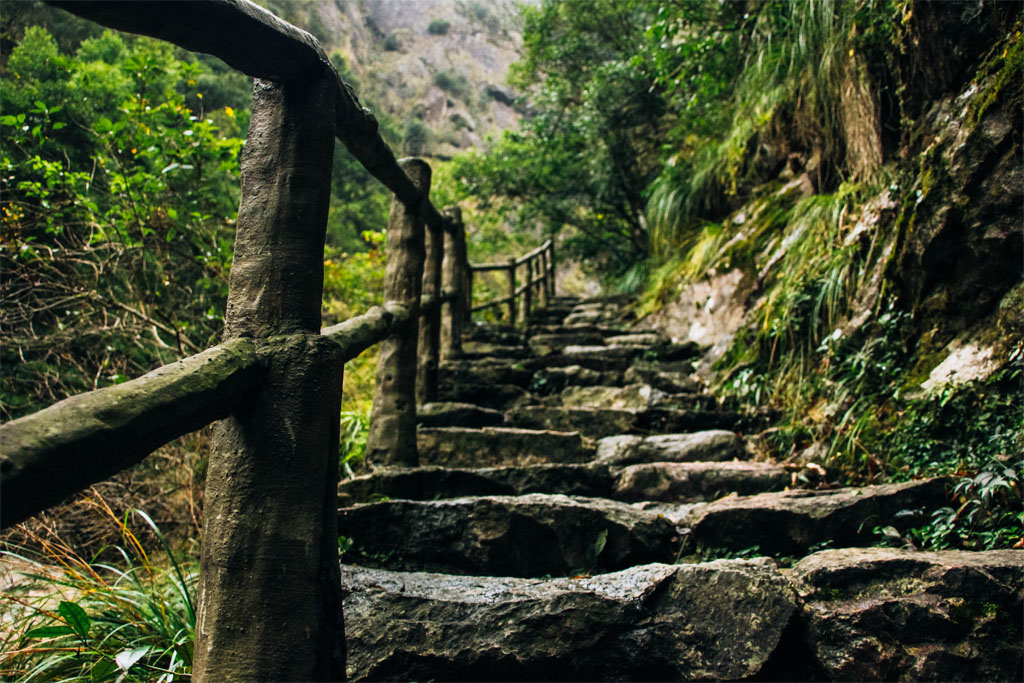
[531,535]
[497,446]
[690,482]
[710,445]
[881,614]
[792,522]
[718,621]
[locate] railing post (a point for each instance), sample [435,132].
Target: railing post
[430,316]
[543,290]
[511,291]
[455,272]
[528,291]
[551,269]
[269,591]
[392,437]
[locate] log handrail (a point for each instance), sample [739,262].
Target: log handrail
[274,385]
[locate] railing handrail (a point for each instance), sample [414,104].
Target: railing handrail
[542,283]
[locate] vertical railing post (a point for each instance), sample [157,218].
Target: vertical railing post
[392,437]
[551,269]
[543,290]
[430,316]
[511,291]
[455,270]
[269,585]
[528,291]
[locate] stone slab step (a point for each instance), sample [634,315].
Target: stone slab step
[715,445]
[791,523]
[496,396]
[655,622]
[536,329]
[529,536]
[886,614]
[483,372]
[690,482]
[855,614]
[546,381]
[494,334]
[546,344]
[656,375]
[457,415]
[593,423]
[481,350]
[498,447]
[433,483]
[634,397]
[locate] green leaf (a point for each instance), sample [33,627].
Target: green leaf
[49,632]
[76,617]
[8,121]
[127,658]
[103,670]
[58,125]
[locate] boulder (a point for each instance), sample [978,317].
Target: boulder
[431,483]
[715,621]
[590,422]
[497,446]
[790,523]
[531,535]
[457,415]
[885,614]
[688,482]
[711,445]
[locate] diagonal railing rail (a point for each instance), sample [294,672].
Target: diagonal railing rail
[269,589]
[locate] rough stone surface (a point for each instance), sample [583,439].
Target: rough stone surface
[553,380]
[667,420]
[885,614]
[496,396]
[498,446]
[495,334]
[688,482]
[544,344]
[711,445]
[483,372]
[531,535]
[634,397]
[431,483]
[457,415]
[716,621]
[590,422]
[671,381]
[789,523]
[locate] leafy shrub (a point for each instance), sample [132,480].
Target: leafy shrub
[452,81]
[438,27]
[392,43]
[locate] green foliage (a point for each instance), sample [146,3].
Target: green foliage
[355,426]
[453,82]
[438,27]
[135,621]
[117,215]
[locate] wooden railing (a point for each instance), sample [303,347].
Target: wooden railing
[538,282]
[269,588]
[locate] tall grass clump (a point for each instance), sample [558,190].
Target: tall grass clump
[71,618]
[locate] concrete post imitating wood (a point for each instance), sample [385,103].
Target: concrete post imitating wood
[269,593]
[392,437]
[543,290]
[527,302]
[429,346]
[551,268]
[453,312]
[511,291]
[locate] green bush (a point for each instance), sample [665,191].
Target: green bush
[392,43]
[438,27]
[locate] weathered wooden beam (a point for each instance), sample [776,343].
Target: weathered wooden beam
[58,451]
[357,334]
[527,292]
[511,291]
[392,437]
[269,592]
[454,275]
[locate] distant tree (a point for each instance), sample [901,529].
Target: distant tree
[438,27]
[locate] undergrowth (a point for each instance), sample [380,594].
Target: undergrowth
[74,618]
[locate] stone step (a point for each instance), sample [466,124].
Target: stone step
[496,396]
[653,622]
[457,415]
[634,397]
[433,483]
[547,344]
[529,536]
[498,447]
[537,329]
[483,372]
[593,423]
[673,381]
[855,614]
[791,523]
[714,445]
[691,482]
[484,350]
[546,381]
[494,334]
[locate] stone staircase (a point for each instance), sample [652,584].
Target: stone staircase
[576,486]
